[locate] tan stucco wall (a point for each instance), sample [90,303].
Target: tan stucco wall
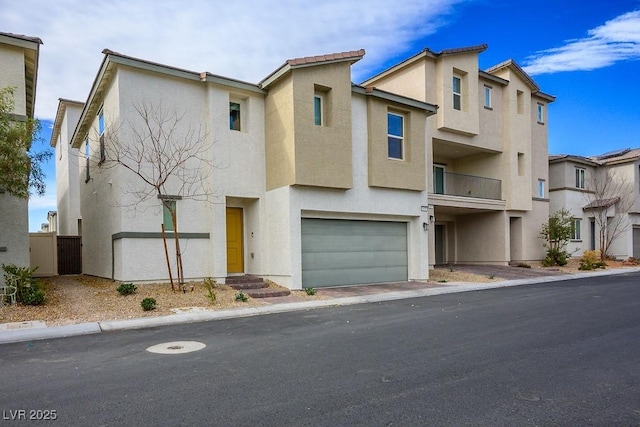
[323,156]
[408,173]
[482,238]
[467,119]
[279,134]
[12,74]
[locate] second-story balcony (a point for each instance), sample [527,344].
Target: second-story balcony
[456,184]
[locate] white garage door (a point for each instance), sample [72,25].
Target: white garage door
[345,252]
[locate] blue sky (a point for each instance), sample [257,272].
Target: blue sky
[587,53]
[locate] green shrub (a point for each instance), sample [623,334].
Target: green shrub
[591,260]
[127,289]
[211,285]
[28,289]
[310,291]
[148,304]
[241,296]
[555,257]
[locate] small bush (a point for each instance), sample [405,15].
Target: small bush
[241,296]
[591,260]
[211,285]
[523,265]
[28,289]
[310,291]
[555,257]
[148,304]
[127,289]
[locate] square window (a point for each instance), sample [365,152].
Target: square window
[487,97]
[395,136]
[169,206]
[457,93]
[317,110]
[580,172]
[234,116]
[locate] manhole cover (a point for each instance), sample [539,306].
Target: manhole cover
[176,347]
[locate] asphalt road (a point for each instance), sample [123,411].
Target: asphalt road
[563,353]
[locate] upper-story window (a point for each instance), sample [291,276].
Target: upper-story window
[541,188]
[318,116]
[234,115]
[395,136]
[576,223]
[540,113]
[100,122]
[457,92]
[87,157]
[580,172]
[487,96]
[520,101]
[169,207]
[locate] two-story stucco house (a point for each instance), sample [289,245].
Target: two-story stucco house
[317,181]
[18,69]
[488,169]
[601,192]
[68,218]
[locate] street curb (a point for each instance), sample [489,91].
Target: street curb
[203,316]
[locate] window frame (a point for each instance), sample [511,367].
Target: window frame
[488,97]
[541,189]
[87,155]
[237,122]
[101,124]
[399,139]
[540,113]
[581,174]
[443,183]
[318,109]
[166,214]
[576,224]
[457,95]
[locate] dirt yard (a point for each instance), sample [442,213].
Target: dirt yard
[79,299]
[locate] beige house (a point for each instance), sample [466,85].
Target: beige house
[603,194]
[18,69]
[488,169]
[316,181]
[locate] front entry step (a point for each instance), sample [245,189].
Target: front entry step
[255,287]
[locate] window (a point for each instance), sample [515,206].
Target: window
[395,136]
[100,122]
[234,116]
[540,113]
[575,229]
[86,155]
[317,110]
[580,177]
[168,206]
[487,97]
[541,188]
[438,179]
[457,93]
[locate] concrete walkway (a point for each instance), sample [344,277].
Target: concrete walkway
[346,295]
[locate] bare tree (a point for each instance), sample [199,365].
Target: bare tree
[609,199]
[171,160]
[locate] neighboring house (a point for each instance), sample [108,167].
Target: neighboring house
[69,222]
[488,186]
[572,183]
[19,69]
[318,181]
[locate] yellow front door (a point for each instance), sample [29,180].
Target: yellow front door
[235,257]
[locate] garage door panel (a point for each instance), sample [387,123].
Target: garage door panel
[345,260]
[329,243]
[320,278]
[346,252]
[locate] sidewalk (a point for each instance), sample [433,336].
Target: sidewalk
[346,295]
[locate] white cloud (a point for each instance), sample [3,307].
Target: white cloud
[616,40]
[245,40]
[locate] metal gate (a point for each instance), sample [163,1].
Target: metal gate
[69,255]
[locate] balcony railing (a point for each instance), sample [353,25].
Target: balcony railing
[456,184]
